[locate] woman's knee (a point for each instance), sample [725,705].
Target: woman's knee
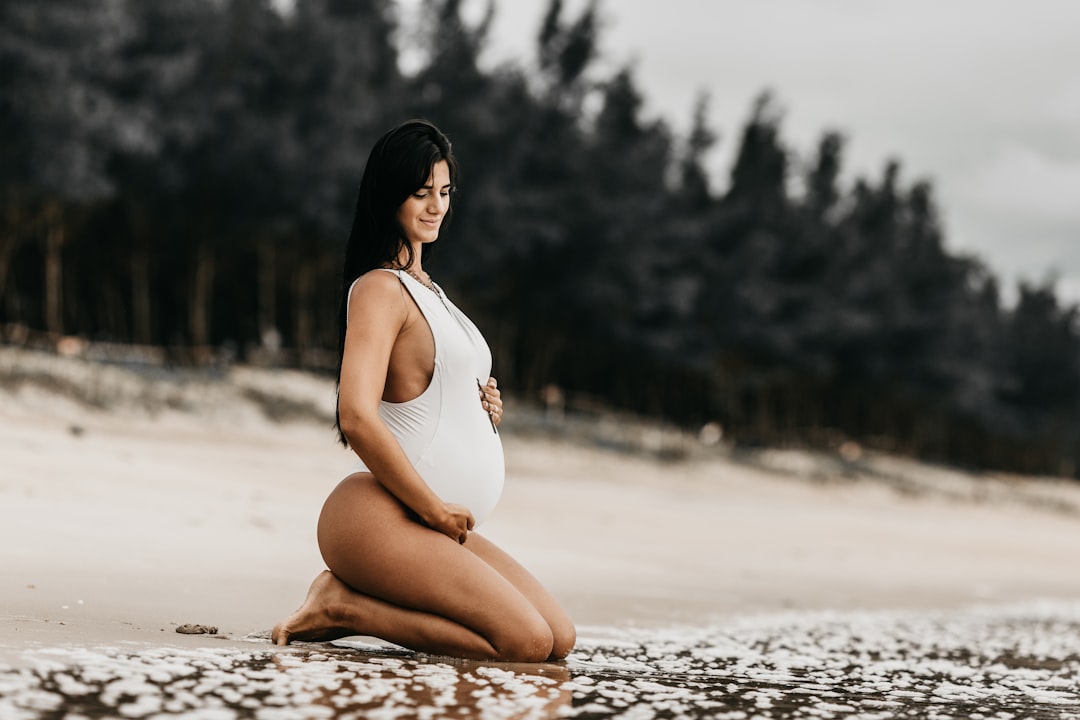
[527,642]
[564,637]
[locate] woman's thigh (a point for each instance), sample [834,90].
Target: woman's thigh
[374,544]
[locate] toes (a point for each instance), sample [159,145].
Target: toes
[280,636]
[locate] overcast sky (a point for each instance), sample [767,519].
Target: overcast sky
[980,96]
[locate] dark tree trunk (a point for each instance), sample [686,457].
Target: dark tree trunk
[199,305]
[140,295]
[267,289]
[8,240]
[141,308]
[55,236]
[302,301]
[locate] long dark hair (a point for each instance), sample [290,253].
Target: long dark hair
[400,163]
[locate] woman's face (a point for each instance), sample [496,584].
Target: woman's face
[421,215]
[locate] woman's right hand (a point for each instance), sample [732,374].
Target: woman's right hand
[453,521]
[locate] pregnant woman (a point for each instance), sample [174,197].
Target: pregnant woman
[418,406]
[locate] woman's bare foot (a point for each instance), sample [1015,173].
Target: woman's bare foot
[318,619]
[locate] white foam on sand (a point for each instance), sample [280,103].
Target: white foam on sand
[991,662]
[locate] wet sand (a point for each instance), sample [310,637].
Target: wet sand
[118,523]
[990,663]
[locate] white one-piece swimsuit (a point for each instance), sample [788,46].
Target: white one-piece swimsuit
[445,431]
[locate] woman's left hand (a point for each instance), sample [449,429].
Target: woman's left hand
[491,400]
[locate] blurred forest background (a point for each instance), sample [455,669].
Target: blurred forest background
[179,176]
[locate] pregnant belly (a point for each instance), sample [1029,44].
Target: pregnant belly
[464,464]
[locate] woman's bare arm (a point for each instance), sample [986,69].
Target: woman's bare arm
[378,313]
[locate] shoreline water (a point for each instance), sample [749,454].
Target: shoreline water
[1003,662]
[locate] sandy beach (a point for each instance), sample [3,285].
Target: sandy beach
[137,504]
[138,514]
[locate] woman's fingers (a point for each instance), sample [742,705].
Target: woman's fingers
[459,521]
[491,400]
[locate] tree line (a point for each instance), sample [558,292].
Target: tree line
[181,174]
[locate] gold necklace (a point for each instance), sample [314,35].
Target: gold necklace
[426,283]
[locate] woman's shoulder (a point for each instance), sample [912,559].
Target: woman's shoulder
[378,287]
[378,281]
[377,295]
